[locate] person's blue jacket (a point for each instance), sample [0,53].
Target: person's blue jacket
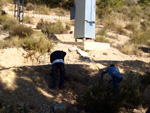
[57,55]
[113,71]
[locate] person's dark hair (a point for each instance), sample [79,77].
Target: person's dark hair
[112,65]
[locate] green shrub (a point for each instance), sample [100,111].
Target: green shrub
[50,28]
[21,31]
[34,44]
[56,28]
[135,13]
[8,44]
[41,45]
[132,90]
[129,2]
[144,2]
[7,22]
[105,7]
[99,98]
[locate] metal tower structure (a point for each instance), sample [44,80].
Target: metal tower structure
[19,10]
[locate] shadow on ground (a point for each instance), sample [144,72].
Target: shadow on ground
[30,83]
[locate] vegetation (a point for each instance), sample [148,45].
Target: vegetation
[37,42]
[50,28]
[141,37]
[131,49]
[100,96]
[101,36]
[21,31]
[7,22]
[28,20]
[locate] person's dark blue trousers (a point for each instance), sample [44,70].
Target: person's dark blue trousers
[116,81]
[57,67]
[148,111]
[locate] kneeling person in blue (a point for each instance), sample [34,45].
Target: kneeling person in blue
[115,74]
[57,60]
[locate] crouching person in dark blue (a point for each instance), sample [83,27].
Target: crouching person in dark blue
[115,74]
[57,60]
[148,111]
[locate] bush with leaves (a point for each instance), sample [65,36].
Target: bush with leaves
[35,43]
[100,98]
[41,45]
[21,31]
[144,2]
[53,28]
[131,89]
[105,7]
[7,22]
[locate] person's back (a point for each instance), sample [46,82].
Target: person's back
[57,55]
[57,60]
[113,71]
[115,74]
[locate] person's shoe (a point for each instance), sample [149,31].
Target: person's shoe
[61,87]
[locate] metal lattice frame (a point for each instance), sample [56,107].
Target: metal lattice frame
[19,10]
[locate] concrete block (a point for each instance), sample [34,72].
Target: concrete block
[96,46]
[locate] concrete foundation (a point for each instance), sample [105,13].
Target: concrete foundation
[96,46]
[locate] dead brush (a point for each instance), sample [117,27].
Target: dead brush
[131,49]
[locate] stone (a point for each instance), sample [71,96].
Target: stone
[60,108]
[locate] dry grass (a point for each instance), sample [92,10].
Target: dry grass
[21,31]
[28,20]
[7,22]
[141,37]
[41,9]
[120,29]
[110,22]
[131,49]
[132,26]
[37,42]
[101,36]
[50,28]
